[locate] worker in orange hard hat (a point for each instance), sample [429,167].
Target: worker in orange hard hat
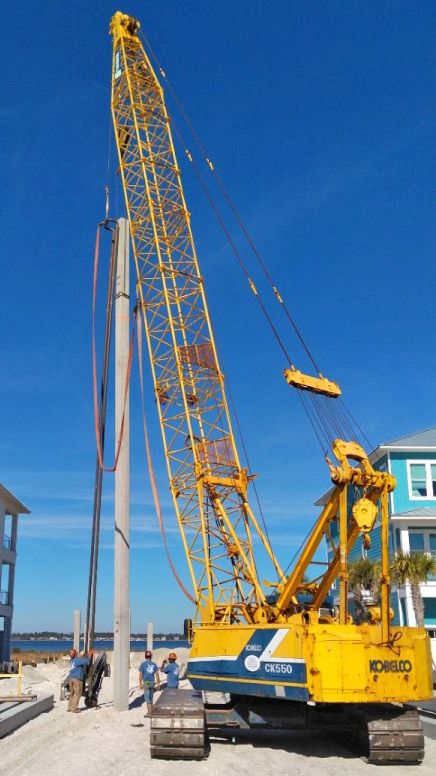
[172,670]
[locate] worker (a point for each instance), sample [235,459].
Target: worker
[149,679]
[76,676]
[171,669]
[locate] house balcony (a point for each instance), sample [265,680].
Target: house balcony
[7,542]
[6,610]
[7,552]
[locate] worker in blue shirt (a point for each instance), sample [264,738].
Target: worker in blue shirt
[171,669]
[76,676]
[148,679]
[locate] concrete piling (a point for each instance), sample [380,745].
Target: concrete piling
[121,657]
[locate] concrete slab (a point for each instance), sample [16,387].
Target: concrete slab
[13,715]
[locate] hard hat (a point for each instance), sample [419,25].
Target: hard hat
[172,656]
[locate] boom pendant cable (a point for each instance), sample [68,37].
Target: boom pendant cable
[198,142]
[333,417]
[247,460]
[317,408]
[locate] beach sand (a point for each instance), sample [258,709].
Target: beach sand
[103,742]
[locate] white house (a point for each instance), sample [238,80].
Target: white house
[10,508]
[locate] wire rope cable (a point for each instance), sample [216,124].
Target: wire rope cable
[244,269]
[247,460]
[120,434]
[98,482]
[316,409]
[151,472]
[332,416]
[232,206]
[100,406]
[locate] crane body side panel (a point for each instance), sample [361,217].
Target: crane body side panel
[326,663]
[250,661]
[350,663]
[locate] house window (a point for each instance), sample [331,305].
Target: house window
[430,611]
[403,610]
[423,540]
[416,541]
[422,479]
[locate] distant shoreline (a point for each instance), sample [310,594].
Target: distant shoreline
[106,645]
[99,636]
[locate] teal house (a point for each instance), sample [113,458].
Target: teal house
[412,507]
[412,461]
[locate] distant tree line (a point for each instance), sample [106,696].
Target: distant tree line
[41,635]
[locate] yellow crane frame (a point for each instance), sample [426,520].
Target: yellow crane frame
[207,481]
[331,659]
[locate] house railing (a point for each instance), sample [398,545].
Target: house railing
[7,542]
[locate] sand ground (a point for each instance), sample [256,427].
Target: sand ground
[103,742]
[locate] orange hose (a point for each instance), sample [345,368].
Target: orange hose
[103,467]
[151,473]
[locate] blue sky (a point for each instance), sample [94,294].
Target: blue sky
[317,116]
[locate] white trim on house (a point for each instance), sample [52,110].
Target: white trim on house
[410,518]
[391,494]
[402,449]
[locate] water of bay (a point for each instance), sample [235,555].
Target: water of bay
[103,645]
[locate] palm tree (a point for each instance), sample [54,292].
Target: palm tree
[363,577]
[414,568]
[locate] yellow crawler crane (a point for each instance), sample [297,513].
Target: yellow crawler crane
[279,658]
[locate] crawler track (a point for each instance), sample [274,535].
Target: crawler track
[178,726]
[393,734]
[384,733]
